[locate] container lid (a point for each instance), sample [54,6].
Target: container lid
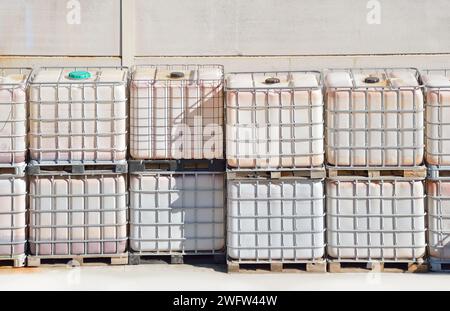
[273,80]
[79,75]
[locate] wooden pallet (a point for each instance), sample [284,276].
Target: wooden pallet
[277,267]
[319,173]
[13,261]
[437,265]
[74,261]
[376,266]
[176,259]
[182,165]
[77,168]
[419,172]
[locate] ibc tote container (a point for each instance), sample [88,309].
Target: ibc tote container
[13,191]
[77,214]
[374,118]
[78,115]
[275,120]
[177,212]
[13,114]
[275,220]
[375,219]
[176,112]
[437,90]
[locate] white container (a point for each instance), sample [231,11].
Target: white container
[374,124]
[438,194]
[13,115]
[375,219]
[275,120]
[281,220]
[12,215]
[176,118]
[78,214]
[81,120]
[177,212]
[437,89]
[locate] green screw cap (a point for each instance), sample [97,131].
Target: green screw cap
[79,75]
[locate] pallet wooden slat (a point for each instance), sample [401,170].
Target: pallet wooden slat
[277,267]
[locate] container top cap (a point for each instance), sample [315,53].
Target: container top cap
[176,75]
[272,80]
[371,80]
[79,75]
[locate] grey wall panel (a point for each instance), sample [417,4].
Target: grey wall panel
[290,27]
[41,27]
[306,62]
[35,62]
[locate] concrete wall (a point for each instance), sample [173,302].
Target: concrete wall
[241,34]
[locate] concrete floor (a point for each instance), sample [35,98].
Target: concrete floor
[184,277]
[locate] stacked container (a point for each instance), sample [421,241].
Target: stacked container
[375,193]
[177,172]
[13,148]
[437,156]
[275,157]
[78,189]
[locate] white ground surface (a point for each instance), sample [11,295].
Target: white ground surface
[183,277]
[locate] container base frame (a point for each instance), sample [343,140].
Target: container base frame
[439,265]
[78,260]
[401,266]
[317,266]
[318,173]
[35,168]
[181,165]
[17,261]
[145,258]
[436,172]
[378,172]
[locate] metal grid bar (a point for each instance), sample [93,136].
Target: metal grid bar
[391,228]
[400,139]
[168,215]
[177,118]
[69,216]
[270,220]
[262,143]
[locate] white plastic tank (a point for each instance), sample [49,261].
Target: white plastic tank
[437,89]
[177,112]
[78,115]
[438,194]
[374,118]
[13,115]
[375,219]
[78,214]
[280,220]
[177,212]
[12,215]
[274,120]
